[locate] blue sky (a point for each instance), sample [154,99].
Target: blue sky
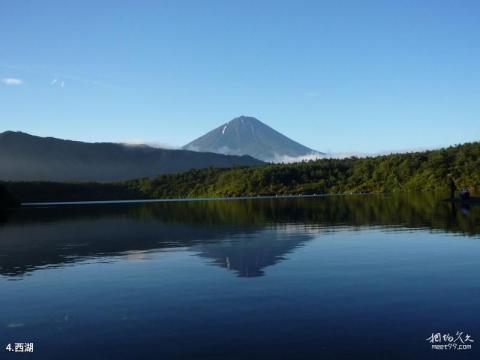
[338,76]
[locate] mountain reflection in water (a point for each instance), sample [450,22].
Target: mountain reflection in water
[244,236]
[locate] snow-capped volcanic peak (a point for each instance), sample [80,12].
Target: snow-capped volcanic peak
[246,135]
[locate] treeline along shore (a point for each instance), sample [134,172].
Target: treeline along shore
[407,172]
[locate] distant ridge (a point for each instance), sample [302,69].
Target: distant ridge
[25,157]
[246,135]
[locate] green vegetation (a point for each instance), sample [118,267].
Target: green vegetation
[419,171]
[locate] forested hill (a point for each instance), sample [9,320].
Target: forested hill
[419,171]
[25,157]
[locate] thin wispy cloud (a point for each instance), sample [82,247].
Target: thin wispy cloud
[56,82]
[312,94]
[84,80]
[358,154]
[59,77]
[12,81]
[142,142]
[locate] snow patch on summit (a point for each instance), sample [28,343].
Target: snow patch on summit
[224,128]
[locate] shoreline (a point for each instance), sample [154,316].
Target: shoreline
[146,201]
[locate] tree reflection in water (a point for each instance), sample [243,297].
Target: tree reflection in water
[244,236]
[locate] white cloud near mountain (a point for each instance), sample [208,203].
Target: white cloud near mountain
[294,159]
[153,144]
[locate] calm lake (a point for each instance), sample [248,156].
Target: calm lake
[341,277]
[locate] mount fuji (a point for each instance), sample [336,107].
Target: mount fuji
[246,135]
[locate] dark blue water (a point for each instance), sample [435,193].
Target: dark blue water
[359,277]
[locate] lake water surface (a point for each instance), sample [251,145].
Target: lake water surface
[342,277]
